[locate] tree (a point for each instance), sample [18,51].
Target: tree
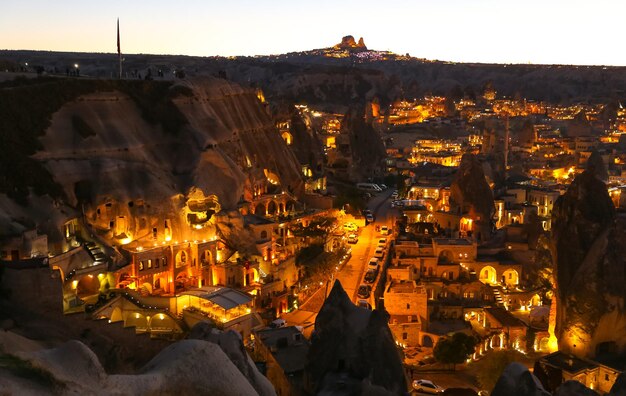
[455,350]
[490,368]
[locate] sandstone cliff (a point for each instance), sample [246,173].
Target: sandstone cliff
[588,248]
[159,148]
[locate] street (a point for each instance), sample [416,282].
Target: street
[351,274]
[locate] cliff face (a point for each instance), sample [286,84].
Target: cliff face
[356,343]
[116,155]
[588,248]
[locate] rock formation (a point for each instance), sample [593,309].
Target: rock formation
[595,165]
[470,194]
[231,344]
[516,380]
[353,345]
[588,250]
[115,146]
[526,136]
[366,146]
[188,367]
[347,42]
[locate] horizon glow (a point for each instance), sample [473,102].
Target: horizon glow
[485,31]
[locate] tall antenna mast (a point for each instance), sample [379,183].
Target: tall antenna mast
[119,51]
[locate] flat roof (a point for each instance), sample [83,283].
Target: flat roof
[569,363]
[504,317]
[452,241]
[225,297]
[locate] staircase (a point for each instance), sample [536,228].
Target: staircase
[497,293]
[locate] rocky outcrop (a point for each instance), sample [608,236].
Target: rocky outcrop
[595,165]
[347,42]
[150,163]
[516,380]
[574,388]
[470,193]
[354,346]
[366,146]
[588,249]
[231,344]
[188,367]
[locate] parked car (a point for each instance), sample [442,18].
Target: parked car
[370,276]
[382,242]
[350,227]
[278,323]
[426,386]
[379,253]
[383,186]
[394,195]
[397,204]
[373,264]
[353,238]
[364,304]
[384,230]
[364,291]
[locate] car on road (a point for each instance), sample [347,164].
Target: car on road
[369,218]
[426,386]
[382,242]
[383,186]
[353,238]
[384,230]
[350,227]
[397,204]
[370,276]
[364,291]
[364,304]
[379,253]
[394,194]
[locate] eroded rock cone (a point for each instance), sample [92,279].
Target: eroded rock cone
[588,247]
[470,193]
[354,342]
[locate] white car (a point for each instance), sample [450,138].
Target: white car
[384,230]
[278,323]
[379,253]
[426,386]
[382,242]
[373,264]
